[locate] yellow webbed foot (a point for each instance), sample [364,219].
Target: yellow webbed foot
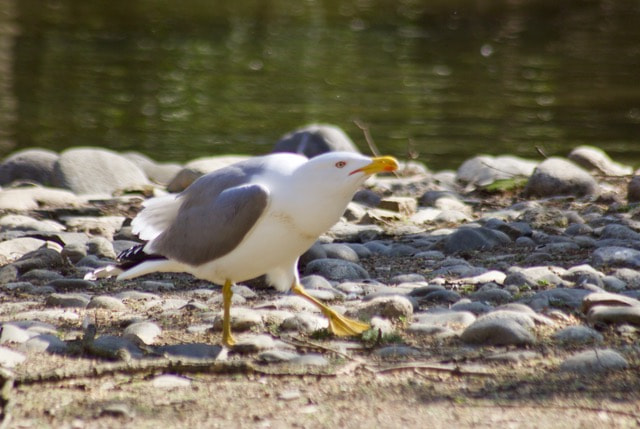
[339,325]
[343,326]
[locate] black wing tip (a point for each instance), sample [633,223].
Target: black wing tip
[135,255]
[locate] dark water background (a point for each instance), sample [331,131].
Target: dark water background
[446,79]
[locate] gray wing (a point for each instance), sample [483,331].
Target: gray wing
[211,222]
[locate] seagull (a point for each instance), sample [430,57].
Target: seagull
[252,218]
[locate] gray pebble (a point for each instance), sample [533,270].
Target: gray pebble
[12,333]
[305,323]
[594,361]
[45,343]
[578,335]
[276,356]
[147,332]
[68,300]
[340,251]
[614,315]
[101,247]
[557,176]
[616,256]
[336,269]
[107,303]
[498,332]
[468,239]
[242,319]
[64,285]
[389,307]
[110,345]
[494,296]
[191,350]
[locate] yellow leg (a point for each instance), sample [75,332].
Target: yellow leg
[227,338]
[338,324]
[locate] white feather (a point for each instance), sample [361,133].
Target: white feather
[157,215]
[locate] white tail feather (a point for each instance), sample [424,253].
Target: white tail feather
[157,215]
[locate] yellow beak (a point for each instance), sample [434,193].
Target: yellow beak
[378,165]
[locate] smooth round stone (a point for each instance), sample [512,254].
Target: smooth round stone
[594,361]
[40,274]
[407,278]
[377,247]
[558,176]
[614,315]
[476,307]
[613,284]
[64,285]
[443,296]
[14,334]
[191,350]
[323,295]
[336,269]
[361,250]
[82,170]
[92,261]
[494,296]
[26,287]
[305,322]
[522,319]
[433,255]
[316,251]
[469,239]
[388,307]
[276,356]
[107,303]
[350,288]
[559,297]
[430,330]
[110,345]
[74,252]
[578,335]
[446,318]
[70,300]
[340,251]
[167,381]
[101,247]
[616,256]
[316,282]
[45,343]
[534,277]
[402,250]
[242,319]
[498,332]
[255,343]
[292,303]
[244,291]
[147,332]
[10,358]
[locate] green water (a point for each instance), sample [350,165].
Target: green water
[443,80]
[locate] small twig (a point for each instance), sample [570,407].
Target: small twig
[367,137]
[451,369]
[540,151]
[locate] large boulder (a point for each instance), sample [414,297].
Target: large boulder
[32,165]
[560,177]
[87,170]
[314,140]
[483,170]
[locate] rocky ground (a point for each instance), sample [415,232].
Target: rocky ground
[502,294]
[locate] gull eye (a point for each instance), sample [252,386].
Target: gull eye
[340,164]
